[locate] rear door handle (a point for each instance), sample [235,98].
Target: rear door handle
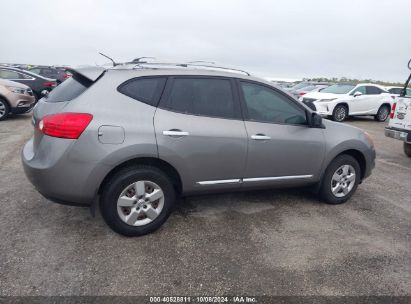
[260,137]
[175,133]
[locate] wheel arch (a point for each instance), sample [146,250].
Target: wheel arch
[345,104]
[6,100]
[148,161]
[358,156]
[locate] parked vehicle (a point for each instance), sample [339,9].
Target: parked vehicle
[15,98]
[298,86]
[397,91]
[136,136]
[59,74]
[339,101]
[36,82]
[310,88]
[399,126]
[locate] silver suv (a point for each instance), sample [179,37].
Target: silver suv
[134,137]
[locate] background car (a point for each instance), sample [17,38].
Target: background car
[15,98]
[60,74]
[342,100]
[36,82]
[310,88]
[397,91]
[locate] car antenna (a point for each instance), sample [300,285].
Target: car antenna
[111,59]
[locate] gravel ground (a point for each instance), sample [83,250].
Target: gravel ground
[267,242]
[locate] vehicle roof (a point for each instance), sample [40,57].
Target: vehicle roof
[93,72]
[25,72]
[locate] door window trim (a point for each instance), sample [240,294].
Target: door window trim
[163,104]
[244,108]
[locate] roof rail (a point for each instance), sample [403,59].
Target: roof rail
[187,65]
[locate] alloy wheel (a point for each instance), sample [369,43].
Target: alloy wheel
[340,113]
[140,203]
[2,109]
[383,114]
[343,181]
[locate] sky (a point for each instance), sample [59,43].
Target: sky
[280,39]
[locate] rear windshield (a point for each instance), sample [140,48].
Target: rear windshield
[69,89]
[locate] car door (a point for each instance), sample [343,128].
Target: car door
[282,148]
[199,131]
[374,99]
[358,104]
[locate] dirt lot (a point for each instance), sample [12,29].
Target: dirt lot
[268,242]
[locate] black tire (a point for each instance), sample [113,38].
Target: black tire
[118,182]
[340,113]
[382,113]
[4,109]
[407,149]
[326,193]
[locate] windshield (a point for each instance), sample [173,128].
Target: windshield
[338,89]
[300,86]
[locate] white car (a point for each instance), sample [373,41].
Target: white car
[342,100]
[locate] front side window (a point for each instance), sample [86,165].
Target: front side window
[266,105]
[8,74]
[362,90]
[211,97]
[371,90]
[147,90]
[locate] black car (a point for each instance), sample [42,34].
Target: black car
[60,74]
[36,82]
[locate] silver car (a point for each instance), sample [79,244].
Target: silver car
[132,138]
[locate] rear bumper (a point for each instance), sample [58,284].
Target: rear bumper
[403,135]
[53,178]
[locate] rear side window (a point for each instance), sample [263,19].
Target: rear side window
[69,89]
[211,97]
[373,90]
[147,90]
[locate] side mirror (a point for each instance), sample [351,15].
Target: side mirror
[45,93]
[356,94]
[316,121]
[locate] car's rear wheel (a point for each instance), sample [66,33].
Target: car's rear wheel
[4,109]
[382,113]
[137,200]
[340,180]
[407,149]
[340,113]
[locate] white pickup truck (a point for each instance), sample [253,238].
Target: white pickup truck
[399,126]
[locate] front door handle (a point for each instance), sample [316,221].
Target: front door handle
[260,136]
[175,133]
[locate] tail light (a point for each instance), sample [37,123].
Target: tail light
[65,125]
[49,84]
[394,105]
[301,93]
[66,75]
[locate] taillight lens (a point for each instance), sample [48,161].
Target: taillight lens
[394,105]
[65,125]
[49,84]
[301,93]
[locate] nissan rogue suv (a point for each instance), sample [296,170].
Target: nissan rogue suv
[133,137]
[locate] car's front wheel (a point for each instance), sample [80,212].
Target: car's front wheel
[340,113]
[340,179]
[4,109]
[137,200]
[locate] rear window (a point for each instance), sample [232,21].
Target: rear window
[69,89]
[147,89]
